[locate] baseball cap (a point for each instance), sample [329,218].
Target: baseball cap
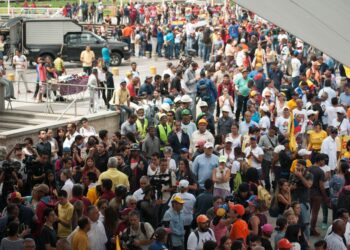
[161,232]
[244,70]
[123,82]
[220,212]
[66,150]
[15,196]
[284,243]
[202,218]
[223,159]
[202,121]
[183,184]
[267,228]
[303,152]
[41,188]
[178,199]
[265,108]
[226,109]
[126,211]
[311,112]
[238,208]
[162,115]
[186,98]
[203,104]
[208,145]
[253,93]
[340,110]
[149,77]
[184,150]
[177,99]
[165,107]
[228,140]
[185,112]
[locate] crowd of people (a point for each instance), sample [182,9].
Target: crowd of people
[206,156]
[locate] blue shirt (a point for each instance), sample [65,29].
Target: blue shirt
[344,99]
[176,224]
[148,88]
[169,37]
[105,54]
[157,245]
[160,37]
[203,167]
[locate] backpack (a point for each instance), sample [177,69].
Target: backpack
[143,230]
[206,36]
[204,90]
[196,233]
[264,196]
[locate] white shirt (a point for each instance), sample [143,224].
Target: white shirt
[330,113]
[257,152]
[301,112]
[346,234]
[264,122]
[282,124]
[240,58]
[331,93]
[97,236]
[244,127]
[187,210]
[329,147]
[325,169]
[343,126]
[295,66]
[334,242]
[68,142]
[21,62]
[68,186]
[87,132]
[138,194]
[203,237]
[92,81]
[197,135]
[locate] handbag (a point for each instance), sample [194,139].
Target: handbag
[274,209]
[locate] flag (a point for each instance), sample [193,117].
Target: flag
[292,140]
[117,243]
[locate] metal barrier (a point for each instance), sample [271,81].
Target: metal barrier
[32,12]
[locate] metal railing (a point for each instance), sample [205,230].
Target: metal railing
[31,12]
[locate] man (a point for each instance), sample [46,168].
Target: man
[317,191]
[43,146]
[93,85]
[201,134]
[178,138]
[48,235]
[120,100]
[140,232]
[268,143]
[284,244]
[129,126]
[151,144]
[65,215]
[70,135]
[342,123]
[295,69]
[147,87]
[328,89]
[141,123]
[109,84]
[204,164]
[282,122]
[163,131]
[113,174]
[219,75]
[97,234]
[186,101]
[301,182]
[344,97]
[101,157]
[255,155]
[59,65]
[239,228]
[20,62]
[161,239]
[343,214]
[207,115]
[173,218]
[247,123]
[335,239]
[243,86]
[206,91]
[186,124]
[29,244]
[140,193]
[329,147]
[80,240]
[87,57]
[202,234]
[190,81]
[225,122]
[276,75]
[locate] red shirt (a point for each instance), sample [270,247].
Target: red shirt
[109,195]
[131,89]
[229,87]
[85,201]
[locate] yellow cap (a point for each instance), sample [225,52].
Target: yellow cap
[178,199]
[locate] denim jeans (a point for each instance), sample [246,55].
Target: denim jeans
[241,106]
[177,50]
[305,216]
[206,55]
[201,49]
[159,48]
[170,50]
[295,82]
[189,43]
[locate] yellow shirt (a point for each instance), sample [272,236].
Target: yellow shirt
[65,213]
[315,139]
[294,165]
[80,241]
[58,64]
[117,177]
[120,97]
[87,57]
[292,104]
[92,195]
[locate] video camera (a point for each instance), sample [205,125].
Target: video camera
[129,241]
[157,181]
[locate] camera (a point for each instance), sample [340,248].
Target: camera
[8,167]
[129,241]
[157,181]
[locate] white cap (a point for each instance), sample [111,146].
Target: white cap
[228,139]
[264,108]
[303,152]
[162,115]
[183,184]
[177,99]
[340,110]
[165,107]
[225,109]
[139,108]
[264,126]
[203,104]
[311,112]
[208,145]
[186,98]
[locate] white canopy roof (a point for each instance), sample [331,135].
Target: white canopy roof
[322,23]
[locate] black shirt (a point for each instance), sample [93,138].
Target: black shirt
[318,175]
[44,147]
[266,244]
[47,236]
[301,193]
[101,161]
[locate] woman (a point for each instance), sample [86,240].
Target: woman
[271,57]
[315,138]
[51,183]
[110,223]
[280,103]
[90,167]
[13,241]
[221,178]
[225,243]
[259,55]
[228,152]
[336,184]
[225,100]
[184,173]
[86,130]
[54,145]
[296,237]
[281,227]
[257,219]
[60,138]
[230,52]
[33,200]
[2,47]
[218,46]
[235,136]
[283,195]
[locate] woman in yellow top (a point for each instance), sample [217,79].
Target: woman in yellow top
[259,55]
[315,138]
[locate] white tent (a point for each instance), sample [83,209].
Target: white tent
[322,23]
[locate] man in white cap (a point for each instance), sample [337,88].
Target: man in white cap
[204,164]
[225,122]
[201,134]
[208,116]
[186,101]
[188,206]
[341,123]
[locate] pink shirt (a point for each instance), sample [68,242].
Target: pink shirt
[42,73]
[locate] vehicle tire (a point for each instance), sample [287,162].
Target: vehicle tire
[47,55]
[116,59]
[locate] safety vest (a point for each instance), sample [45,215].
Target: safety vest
[163,135]
[142,129]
